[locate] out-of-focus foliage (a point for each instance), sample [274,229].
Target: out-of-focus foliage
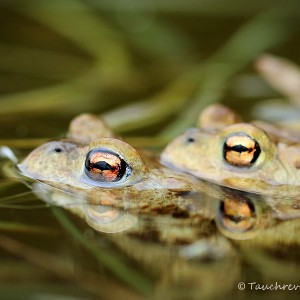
[147,67]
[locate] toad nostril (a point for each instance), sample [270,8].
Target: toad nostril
[190,140]
[57,149]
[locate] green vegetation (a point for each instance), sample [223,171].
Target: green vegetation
[148,68]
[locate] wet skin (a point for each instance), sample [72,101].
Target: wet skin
[96,165]
[257,157]
[114,188]
[209,244]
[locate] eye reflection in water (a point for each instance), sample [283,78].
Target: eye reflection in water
[238,217]
[108,219]
[102,218]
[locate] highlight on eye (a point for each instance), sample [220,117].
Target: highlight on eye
[241,150]
[105,166]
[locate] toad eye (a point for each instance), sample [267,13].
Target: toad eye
[105,166]
[241,150]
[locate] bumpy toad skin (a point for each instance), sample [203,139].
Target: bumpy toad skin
[256,157]
[73,166]
[145,186]
[189,226]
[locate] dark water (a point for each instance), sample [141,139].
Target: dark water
[168,60]
[239,245]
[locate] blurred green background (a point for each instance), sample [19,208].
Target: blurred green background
[148,67]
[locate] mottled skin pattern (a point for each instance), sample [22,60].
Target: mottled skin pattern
[199,151]
[153,188]
[187,233]
[150,187]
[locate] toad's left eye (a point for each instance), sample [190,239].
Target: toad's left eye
[105,166]
[241,150]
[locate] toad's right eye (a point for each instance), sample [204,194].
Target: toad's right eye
[105,166]
[241,150]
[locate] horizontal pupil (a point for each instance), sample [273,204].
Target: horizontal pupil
[239,148]
[235,219]
[103,166]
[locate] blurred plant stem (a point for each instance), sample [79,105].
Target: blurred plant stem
[135,141]
[91,33]
[17,59]
[94,283]
[256,36]
[111,60]
[184,98]
[282,74]
[7,184]
[207,82]
[17,198]
[26,228]
[113,263]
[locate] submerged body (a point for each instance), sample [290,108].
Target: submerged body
[173,221]
[94,165]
